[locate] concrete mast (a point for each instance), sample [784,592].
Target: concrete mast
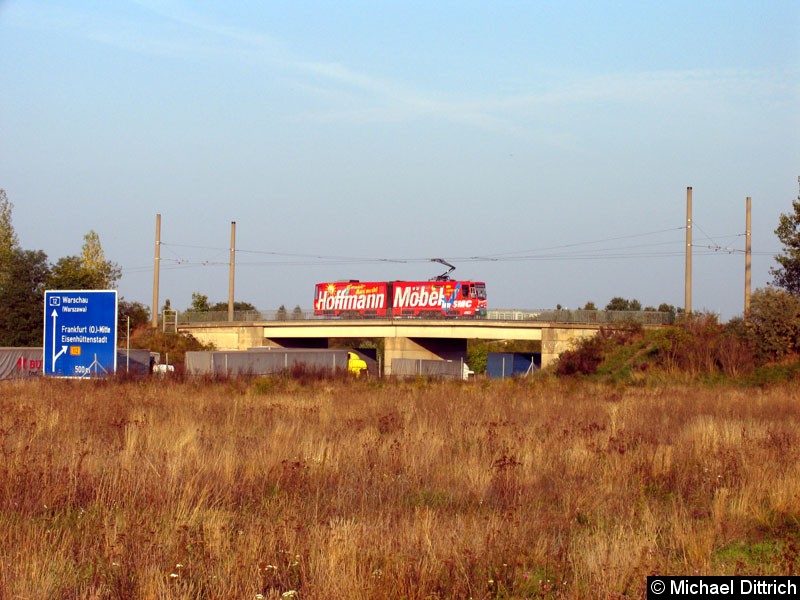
[231,271]
[687,305]
[156,268]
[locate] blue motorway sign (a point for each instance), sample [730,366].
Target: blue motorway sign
[80,333]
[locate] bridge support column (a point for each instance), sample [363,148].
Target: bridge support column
[558,340]
[230,338]
[422,348]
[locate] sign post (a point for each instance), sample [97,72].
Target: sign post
[80,333]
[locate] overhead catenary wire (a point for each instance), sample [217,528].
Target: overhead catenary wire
[361,259]
[571,251]
[600,241]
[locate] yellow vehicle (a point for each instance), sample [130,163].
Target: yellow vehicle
[355,364]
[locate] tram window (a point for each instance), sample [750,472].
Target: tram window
[465,291]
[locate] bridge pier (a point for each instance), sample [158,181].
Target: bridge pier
[556,340]
[422,349]
[231,337]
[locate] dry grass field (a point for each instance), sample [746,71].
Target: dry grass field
[336,489]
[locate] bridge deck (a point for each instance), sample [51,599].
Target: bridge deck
[422,328]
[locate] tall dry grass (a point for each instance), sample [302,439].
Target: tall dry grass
[372,490]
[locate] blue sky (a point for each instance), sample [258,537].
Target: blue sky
[544,147]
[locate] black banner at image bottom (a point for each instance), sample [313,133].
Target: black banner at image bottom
[676,586]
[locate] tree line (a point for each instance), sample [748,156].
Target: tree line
[26,274]
[201,304]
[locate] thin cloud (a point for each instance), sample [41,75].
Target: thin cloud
[347,94]
[369,98]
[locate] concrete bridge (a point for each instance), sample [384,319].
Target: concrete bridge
[444,339]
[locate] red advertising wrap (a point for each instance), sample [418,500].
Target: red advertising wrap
[401,298]
[351,296]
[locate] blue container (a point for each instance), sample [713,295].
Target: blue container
[500,365]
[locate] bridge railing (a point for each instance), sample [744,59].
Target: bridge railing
[644,317]
[221,316]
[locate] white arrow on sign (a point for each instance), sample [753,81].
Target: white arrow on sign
[63,348]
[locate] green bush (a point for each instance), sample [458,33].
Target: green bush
[774,324]
[772,374]
[176,345]
[697,346]
[591,352]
